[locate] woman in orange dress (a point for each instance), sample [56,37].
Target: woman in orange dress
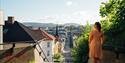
[96,39]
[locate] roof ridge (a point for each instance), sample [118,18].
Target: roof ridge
[30,32]
[47,34]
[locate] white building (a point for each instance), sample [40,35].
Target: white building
[47,44]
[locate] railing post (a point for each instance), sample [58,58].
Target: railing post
[117,53]
[13,45]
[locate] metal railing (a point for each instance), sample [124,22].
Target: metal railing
[34,46]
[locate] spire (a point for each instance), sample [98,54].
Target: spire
[56,35]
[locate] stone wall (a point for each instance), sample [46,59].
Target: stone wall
[110,57]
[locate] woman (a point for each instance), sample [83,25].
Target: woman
[96,39]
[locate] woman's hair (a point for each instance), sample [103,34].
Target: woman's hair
[98,26]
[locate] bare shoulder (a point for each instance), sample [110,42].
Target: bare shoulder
[102,33]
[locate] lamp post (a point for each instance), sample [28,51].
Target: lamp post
[1,29]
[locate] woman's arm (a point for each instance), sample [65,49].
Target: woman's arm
[90,37]
[102,38]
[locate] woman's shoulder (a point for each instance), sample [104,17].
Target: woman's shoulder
[102,33]
[92,32]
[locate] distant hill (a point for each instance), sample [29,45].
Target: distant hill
[39,24]
[71,24]
[33,24]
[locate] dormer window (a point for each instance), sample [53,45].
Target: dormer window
[5,31]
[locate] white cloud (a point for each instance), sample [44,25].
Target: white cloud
[47,18]
[104,0]
[79,17]
[69,3]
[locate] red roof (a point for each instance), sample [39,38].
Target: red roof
[46,35]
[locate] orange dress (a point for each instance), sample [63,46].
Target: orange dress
[95,44]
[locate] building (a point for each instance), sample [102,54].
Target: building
[69,39]
[47,44]
[22,44]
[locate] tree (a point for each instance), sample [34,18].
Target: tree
[57,57]
[87,28]
[80,51]
[114,23]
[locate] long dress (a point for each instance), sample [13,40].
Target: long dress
[95,44]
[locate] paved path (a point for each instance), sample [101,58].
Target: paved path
[67,54]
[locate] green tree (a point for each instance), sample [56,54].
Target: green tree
[80,51]
[57,57]
[87,28]
[114,23]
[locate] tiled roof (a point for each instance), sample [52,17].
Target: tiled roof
[46,35]
[18,32]
[33,34]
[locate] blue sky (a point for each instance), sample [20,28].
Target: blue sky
[52,11]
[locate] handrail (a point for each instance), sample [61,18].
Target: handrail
[36,43]
[41,50]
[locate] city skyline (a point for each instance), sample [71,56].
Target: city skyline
[52,11]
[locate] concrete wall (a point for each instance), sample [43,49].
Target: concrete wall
[27,57]
[30,56]
[17,45]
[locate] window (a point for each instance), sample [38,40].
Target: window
[5,31]
[48,53]
[48,44]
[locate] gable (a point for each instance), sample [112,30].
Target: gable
[15,33]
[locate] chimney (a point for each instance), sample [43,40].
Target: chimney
[10,19]
[1,29]
[39,28]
